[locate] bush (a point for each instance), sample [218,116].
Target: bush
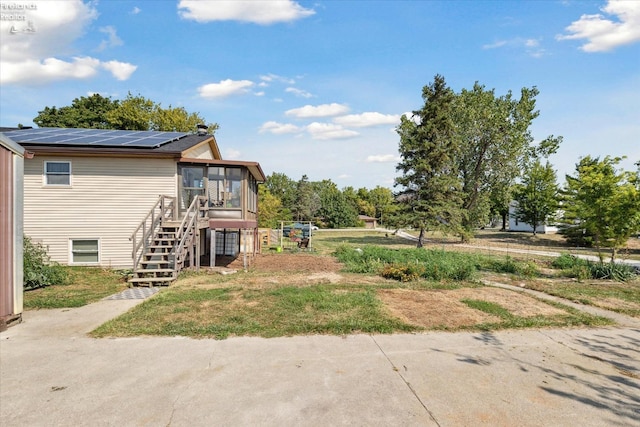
[39,271]
[402,272]
[582,269]
[407,264]
[612,271]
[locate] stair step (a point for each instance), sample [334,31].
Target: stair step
[151,279]
[153,270]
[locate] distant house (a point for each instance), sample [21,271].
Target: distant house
[369,222]
[11,225]
[515,225]
[150,201]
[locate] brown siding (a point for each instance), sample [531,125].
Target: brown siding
[6,233]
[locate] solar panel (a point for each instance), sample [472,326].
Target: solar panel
[93,137]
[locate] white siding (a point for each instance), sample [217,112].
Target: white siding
[515,225]
[107,199]
[202,151]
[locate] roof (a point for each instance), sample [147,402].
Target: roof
[163,143]
[11,145]
[176,147]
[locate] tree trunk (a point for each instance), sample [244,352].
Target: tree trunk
[420,238]
[504,222]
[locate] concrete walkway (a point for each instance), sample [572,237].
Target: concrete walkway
[51,373]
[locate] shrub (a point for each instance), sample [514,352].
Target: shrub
[567,262]
[407,264]
[612,271]
[39,271]
[582,269]
[402,272]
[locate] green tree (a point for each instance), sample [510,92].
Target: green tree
[283,187]
[177,119]
[537,195]
[336,211]
[270,209]
[602,203]
[307,201]
[382,199]
[84,112]
[132,113]
[430,195]
[495,144]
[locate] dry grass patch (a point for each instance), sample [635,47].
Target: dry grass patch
[444,308]
[432,309]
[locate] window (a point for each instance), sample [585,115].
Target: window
[193,185]
[57,173]
[225,187]
[85,251]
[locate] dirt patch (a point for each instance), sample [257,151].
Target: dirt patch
[431,309]
[295,263]
[444,307]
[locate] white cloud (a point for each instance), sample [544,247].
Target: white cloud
[495,45]
[329,131]
[279,128]
[530,46]
[257,12]
[119,70]
[268,78]
[225,88]
[382,158]
[367,119]
[324,110]
[113,39]
[42,55]
[136,10]
[232,154]
[298,92]
[604,34]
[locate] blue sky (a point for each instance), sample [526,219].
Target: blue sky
[317,87]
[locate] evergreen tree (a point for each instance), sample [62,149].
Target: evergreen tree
[430,195]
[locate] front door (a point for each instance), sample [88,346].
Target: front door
[193,183]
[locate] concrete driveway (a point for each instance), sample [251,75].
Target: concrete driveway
[51,373]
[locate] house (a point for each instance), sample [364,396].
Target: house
[516,225]
[369,222]
[11,225]
[154,202]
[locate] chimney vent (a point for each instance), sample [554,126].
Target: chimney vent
[202,129]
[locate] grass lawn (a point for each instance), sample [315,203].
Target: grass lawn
[295,293]
[86,285]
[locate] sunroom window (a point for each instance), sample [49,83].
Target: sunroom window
[225,187]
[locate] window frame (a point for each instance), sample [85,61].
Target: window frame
[46,174]
[72,252]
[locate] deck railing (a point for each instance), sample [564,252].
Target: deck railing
[162,211]
[187,236]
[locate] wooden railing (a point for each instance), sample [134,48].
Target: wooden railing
[163,210]
[188,234]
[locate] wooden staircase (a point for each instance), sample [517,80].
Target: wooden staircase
[163,246]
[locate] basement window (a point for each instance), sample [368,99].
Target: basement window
[85,251]
[57,173]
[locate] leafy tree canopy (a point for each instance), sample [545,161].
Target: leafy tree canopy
[132,113]
[602,203]
[537,195]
